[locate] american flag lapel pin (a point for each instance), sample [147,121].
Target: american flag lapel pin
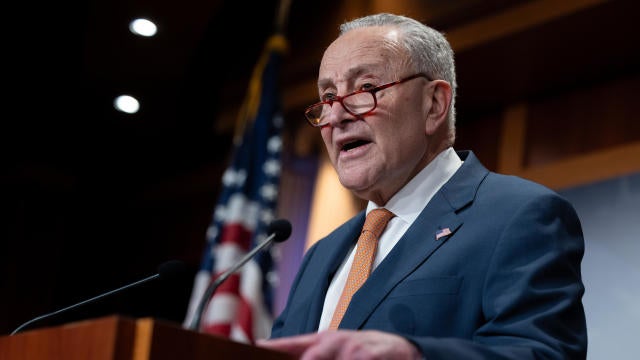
[442,232]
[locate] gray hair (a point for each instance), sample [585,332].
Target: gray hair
[429,50]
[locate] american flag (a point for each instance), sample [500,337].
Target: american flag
[442,233]
[241,308]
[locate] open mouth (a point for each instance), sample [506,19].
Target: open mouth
[354,144]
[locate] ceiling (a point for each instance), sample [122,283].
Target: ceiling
[71,60]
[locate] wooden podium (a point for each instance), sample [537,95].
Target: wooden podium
[121,338]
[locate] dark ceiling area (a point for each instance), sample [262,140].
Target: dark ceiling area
[71,60]
[93,198]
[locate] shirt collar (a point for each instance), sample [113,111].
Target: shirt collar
[405,204]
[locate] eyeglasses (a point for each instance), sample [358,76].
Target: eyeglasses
[358,103]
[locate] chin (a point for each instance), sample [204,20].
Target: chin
[358,188]
[350,184]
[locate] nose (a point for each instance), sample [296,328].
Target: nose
[338,115]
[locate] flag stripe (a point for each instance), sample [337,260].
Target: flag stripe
[231,285]
[223,329]
[245,318]
[236,234]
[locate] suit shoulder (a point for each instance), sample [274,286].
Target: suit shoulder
[516,190]
[512,185]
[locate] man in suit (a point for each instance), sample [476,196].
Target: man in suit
[471,265]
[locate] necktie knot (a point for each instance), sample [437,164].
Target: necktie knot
[377,220]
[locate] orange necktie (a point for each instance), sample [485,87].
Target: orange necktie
[375,223]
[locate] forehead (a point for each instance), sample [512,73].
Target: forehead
[368,49]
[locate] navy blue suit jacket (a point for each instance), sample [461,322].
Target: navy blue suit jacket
[505,284]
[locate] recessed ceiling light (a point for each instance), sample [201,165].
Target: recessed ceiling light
[127,104]
[143,27]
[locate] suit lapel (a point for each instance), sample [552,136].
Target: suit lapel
[330,254]
[420,241]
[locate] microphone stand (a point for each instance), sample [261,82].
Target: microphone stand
[195,323]
[83,302]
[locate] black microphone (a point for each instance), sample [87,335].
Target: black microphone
[168,271]
[279,231]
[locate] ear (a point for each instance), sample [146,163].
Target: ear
[440,103]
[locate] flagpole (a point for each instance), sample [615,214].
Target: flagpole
[283,16]
[251,100]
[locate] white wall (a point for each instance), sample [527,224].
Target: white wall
[610,216]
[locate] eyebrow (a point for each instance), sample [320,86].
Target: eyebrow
[351,73]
